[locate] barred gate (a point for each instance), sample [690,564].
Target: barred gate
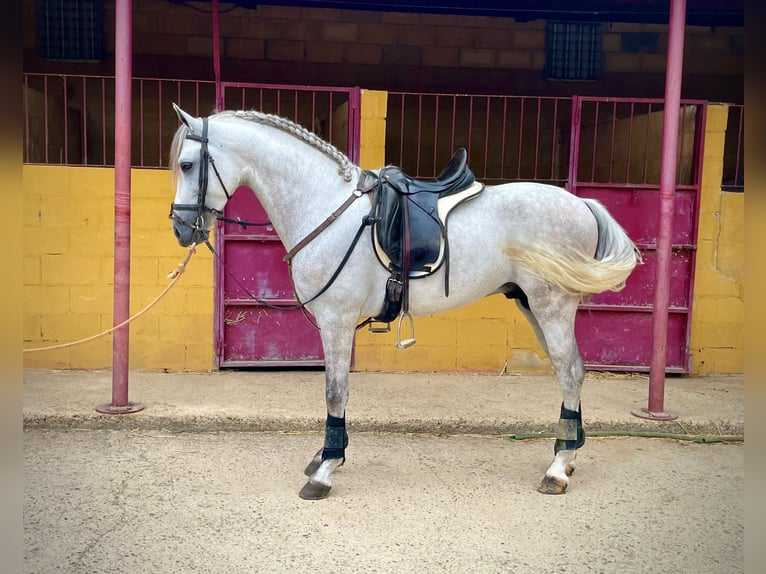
[508,138]
[248,333]
[617,145]
[69,119]
[605,148]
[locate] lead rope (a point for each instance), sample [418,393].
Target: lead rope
[173,275]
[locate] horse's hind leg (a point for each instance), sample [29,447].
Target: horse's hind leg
[336,342]
[523,306]
[552,318]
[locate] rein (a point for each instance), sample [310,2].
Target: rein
[367,182]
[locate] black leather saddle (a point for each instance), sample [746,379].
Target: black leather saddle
[411,228]
[409,233]
[454,177]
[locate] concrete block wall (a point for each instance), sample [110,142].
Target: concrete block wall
[68,278]
[322,35]
[69,273]
[707,50]
[490,335]
[718,314]
[374,38]
[372,152]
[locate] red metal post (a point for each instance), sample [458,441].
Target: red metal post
[354,120]
[574,145]
[217,57]
[123,74]
[656,408]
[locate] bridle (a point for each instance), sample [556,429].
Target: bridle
[205,159]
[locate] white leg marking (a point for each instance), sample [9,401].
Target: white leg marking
[562,465]
[323,474]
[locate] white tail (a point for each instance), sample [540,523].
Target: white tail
[578,273]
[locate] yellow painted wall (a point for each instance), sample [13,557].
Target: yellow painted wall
[718,314]
[68,279]
[69,273]
[489,336]
[372,148]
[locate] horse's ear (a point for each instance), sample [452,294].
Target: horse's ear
[190,122]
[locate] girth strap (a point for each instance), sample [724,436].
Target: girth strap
[570,434]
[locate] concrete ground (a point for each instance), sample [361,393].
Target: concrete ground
[205,478]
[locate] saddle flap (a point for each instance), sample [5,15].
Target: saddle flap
[428,215]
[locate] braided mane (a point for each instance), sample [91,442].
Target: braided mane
[347,168]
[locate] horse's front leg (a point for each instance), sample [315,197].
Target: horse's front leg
[336,341]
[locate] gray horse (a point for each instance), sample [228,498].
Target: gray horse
[535,243]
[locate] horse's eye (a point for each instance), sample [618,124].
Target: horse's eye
[186,165]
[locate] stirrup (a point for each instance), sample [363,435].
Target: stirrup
[403,344]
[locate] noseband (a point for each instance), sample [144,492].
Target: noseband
[204,159]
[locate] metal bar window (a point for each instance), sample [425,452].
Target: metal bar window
[573,50]
[71,30]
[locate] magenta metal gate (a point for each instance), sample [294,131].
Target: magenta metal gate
[616,147]
[248,333]
[606,148]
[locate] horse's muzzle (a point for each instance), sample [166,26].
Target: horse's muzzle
[186,228]
[187,235]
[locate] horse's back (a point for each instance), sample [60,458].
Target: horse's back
[536,212]
[484,231]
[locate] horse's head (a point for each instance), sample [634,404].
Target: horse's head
[198,197]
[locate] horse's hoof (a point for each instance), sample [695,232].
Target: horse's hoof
[314,491]
[312,467]
[552,485]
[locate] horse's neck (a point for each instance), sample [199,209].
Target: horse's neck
[298,187]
